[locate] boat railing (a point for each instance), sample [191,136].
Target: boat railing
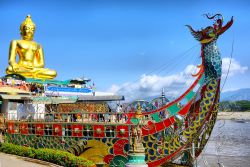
[75,117]
[91,125]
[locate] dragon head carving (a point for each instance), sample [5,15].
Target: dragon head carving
[211,33]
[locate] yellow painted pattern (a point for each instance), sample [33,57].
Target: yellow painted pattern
[96,152]
[191,133]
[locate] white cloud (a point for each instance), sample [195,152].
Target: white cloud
[151,85]
[235,67]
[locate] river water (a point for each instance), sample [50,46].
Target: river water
[228,146]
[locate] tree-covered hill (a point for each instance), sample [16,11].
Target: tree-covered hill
[241,105]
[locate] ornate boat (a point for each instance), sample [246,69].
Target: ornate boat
[172,132]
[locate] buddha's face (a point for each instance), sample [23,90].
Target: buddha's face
[28,32]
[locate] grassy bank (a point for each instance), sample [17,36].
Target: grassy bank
[58,157]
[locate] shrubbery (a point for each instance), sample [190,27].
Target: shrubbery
[58,157]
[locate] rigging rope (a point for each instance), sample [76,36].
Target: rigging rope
[232,49]
[165,65]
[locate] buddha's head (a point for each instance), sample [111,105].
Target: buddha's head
[27,28]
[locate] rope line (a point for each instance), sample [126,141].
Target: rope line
[164,66]
[232,49]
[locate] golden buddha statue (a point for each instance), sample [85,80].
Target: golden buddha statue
[31,58]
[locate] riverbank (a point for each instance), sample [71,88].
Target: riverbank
[234,116]
[228,145]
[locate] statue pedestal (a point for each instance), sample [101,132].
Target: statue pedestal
[136,158]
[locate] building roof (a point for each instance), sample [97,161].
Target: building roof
[100,98]
[47,81]
[11,90]
[14,97]
[53,100]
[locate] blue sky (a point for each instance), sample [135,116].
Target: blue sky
[117,43]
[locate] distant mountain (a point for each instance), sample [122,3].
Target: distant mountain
[241,94]
[236,95]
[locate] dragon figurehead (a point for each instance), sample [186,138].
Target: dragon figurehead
[211,33]
[211,57]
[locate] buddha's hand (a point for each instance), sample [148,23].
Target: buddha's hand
[17,68]
[29,67]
